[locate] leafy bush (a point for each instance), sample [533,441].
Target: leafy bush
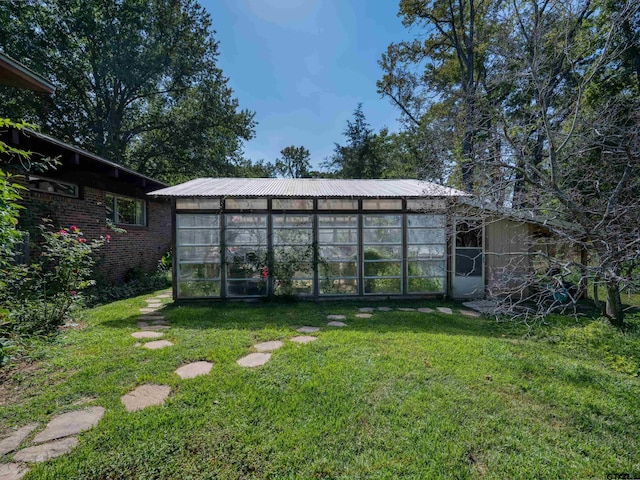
[40,296]
[101,294]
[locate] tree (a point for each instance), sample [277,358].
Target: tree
[136,81]
[361,157]
[555,126]
[443,70]
[295,162]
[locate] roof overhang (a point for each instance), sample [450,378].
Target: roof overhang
[14,74]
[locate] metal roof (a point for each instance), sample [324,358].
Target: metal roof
[306,187]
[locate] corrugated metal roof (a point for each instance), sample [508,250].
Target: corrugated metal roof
[306,187]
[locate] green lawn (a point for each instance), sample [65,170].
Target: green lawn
[400,395]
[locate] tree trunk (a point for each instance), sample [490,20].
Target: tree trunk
[614,305]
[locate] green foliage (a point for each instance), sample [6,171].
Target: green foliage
[42,295]
[105,293]
[295,162]
[136,81]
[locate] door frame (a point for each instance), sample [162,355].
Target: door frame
[477,292]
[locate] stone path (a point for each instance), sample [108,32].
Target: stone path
[478,307]
[303,339]
[13,441]
[363,315]
[42,453]
[157,345]
[307,329]
[193,370]
[254,359]
[147,334]
[145,396]
[336,324]
[70,423]
[268,346]
[12,471]
[336,317]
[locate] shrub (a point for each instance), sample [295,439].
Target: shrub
[40,296]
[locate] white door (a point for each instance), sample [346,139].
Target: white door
[468,259]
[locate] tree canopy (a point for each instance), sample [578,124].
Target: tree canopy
[136,81]
[294,162]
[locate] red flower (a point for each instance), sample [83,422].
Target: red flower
[107,237]
[62,232]
[73,229]
[82,240]
[264,272]
[73,293]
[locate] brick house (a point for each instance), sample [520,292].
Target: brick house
[90,192]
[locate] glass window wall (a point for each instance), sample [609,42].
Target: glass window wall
[246,254]
[426,253]
[292,254]
[382,245]
[338,254]
[198,255]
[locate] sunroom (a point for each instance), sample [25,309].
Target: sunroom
[322,238]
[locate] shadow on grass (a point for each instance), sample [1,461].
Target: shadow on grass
[258,316]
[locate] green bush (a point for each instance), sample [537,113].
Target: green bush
[41,296]
[101,294]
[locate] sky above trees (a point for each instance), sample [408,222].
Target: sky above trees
[303,66]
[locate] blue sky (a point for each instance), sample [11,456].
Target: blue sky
[303,66]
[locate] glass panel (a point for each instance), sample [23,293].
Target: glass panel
[425,251]
[245,204]
[348,236]
[239,221]
[292,204]
[246,236]
[198,203]
[427,204]
[337,204]
[382,204]
[382,285]
[329,253]
[250,287]
[425,285]
[298,287]
[382,220]
[199,271]
[198,289]
[469,233]
[199,254]
[53,186]
[339,286]
[197,220]
[382,269]
[292,237]
[426,235]
[426,221]
[427,269]
[198,237]
[383,253]
[337,221]
[110,205]
[126,211]
[292,221]
[382,235]
[341,269]
[469,262]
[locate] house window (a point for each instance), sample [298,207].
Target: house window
[125,210]
[54,187]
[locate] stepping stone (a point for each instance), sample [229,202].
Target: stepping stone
[70,423]
[149,309]
[254,360]
[336,324]
[407,309]
[268,346]
[157,344]
[192,370]
[426,310]
[385,309]
[14,440]
[151,316]
[303,339]
[157,306]
[12,471]
[142,324]
[363,315]
[42,453]
[147,334]
[137,344]
[489,307]
[336,317]
[308,329]
[446,310]
[144,396]
[165,295]
[154,328]
[366,309]
[159,322]
[470,313]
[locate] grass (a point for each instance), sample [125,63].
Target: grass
[400,395]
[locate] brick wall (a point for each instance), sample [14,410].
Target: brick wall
[138,247]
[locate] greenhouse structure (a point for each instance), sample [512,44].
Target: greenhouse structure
[239,238]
